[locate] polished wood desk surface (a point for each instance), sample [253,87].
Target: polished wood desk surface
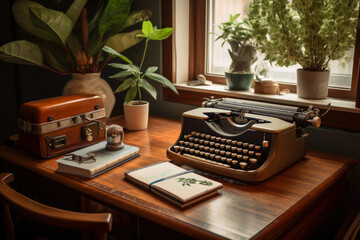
[261,211]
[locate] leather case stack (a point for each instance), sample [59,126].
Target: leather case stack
[55,126]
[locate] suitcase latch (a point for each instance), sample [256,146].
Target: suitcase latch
[91,131]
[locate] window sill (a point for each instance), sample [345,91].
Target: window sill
[343,113]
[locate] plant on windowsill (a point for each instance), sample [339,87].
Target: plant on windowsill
[68,44]
[308,32]
[238,34]
[137,112]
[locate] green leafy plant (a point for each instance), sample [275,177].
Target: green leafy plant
[308,32]
[238,34]
[189,181]
[132,75]
[68,43]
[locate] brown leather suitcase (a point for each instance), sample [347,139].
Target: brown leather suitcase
[55,126]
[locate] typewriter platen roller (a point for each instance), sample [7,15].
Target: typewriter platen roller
[239,142]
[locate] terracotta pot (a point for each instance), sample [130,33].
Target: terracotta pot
[266,87]
[91,83]
[239,81]
[136,115]
[312,84]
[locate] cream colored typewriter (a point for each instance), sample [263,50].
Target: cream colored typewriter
[244,140]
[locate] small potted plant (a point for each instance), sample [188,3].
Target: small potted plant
[308,32]
[134,78]
[238,34]
[68,44]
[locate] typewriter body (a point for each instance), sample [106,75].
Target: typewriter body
[241,139]
[55,126]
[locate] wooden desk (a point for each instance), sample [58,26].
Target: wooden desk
[288,205]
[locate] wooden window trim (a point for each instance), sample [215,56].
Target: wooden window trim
[336,119]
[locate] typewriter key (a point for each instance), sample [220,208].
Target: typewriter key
[258,154]
[201,147]
[196,145]
[245,158]
[198,134]
[222,152]
[176,148]
[202,135]
[223,140]
[206,149]
[192,151]
[228,147]
[251,146]
[211,149]
[233,142]
[246,144]
[217,151]
[222,145]
[253,160]
[239,150]
[257,148]
[201,141]
[196,140]
[228,154]
[206,154]
[233,149]
[223,159]
[181,142]
[212,155]
[207,136]
[197,152]
[239,156]
[245,151]
[234,162]
[239,143]
[228,160]
[233,155]
[243,165]
[228,141]
[251,153]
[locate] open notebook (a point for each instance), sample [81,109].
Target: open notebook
[174,183]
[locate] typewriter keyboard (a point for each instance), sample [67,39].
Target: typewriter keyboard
[223,151]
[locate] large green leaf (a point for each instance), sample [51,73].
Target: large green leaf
[148,87]
[54,56]
[147,28]
[75,9]
[126,84]
[137,16]
[161,79]
[21,52]
[114,16]
[161,34]
[122,41]
[74,45]
[122,75]
[128,67]
[113,52]
[56,25]
[131,94]
[99,10]
[21,14]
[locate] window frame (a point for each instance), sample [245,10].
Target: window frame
[197,61]
[198,39]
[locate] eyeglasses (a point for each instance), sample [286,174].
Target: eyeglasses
[90,158]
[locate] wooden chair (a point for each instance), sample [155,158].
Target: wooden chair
[97,224]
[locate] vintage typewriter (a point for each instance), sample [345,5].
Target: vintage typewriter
[241,139]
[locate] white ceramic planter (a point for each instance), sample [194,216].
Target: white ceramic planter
[312,84]
[91,83]
[136,115]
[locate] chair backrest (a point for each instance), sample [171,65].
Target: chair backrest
[98,224]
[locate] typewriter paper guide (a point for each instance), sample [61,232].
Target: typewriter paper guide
[274,125]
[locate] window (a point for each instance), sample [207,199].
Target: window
[218,59]
[205,8]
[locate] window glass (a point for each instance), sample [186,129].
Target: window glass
[218,59]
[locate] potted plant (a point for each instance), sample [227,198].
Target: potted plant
[134,78]
[308,32]
[238,34]
[68,44]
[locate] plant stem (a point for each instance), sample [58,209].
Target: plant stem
[143,58]
[139,92]
[105,63]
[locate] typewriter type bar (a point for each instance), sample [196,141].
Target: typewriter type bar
[211,140]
